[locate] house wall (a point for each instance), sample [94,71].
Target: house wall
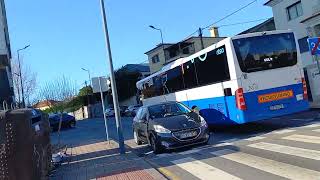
[6,85]
[154,67]
[302,30]
[283,23]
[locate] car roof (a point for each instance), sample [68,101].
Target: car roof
[163,103]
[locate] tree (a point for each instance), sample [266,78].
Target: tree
[63,91]
[29,81]
[126,83]
[86,90]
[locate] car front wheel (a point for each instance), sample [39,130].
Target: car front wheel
[136,138]
[155,145]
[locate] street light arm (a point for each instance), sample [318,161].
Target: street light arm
[23,48]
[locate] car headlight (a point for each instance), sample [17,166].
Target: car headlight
[161,129]
[203,122]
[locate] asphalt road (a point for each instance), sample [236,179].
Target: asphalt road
[280,148]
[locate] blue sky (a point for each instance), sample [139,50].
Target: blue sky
[66,35]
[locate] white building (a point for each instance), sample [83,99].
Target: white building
[6,85]
[303,17]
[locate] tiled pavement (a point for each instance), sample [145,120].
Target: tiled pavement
[102,161]
[93,158]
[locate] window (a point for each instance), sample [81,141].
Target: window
[155,59]
[174,80]
[266,52]
[189,74]
[213,67]
[303,43]
[186,50]
[294,11]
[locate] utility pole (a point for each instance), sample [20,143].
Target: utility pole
[113,81]
[201,39]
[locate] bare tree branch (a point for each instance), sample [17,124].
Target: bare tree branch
[62,90]
[29,81]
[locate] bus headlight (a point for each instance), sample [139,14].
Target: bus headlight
[161,129]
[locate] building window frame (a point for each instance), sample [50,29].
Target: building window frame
[155,59]
[294,7]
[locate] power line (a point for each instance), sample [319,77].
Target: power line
[246,22]
[225,17]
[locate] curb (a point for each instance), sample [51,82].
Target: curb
[166,173]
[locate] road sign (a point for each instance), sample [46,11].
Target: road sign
[104,84]
[314,45]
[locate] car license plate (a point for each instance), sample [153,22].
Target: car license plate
[188,134]
[275,96]
[276,107]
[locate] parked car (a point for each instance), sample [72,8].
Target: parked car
[67,121]
[109,112]
[169,125]
[123,110]
[132,110]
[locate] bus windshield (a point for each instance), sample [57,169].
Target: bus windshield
[266,52]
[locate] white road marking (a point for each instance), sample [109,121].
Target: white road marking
[284,131]
[231,140]
[204,148]
[255,138]
[190,151]
[316,130]
[303,138]
[268,165]
[312,126]
[223,144]
[202,170]
[294,151]
[303,119]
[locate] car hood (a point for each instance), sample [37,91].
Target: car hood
[181,122]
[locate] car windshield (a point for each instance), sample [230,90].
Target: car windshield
[165,110]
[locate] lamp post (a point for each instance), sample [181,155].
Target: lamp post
[88,71]
[158,29]
[113,81]
[20,74]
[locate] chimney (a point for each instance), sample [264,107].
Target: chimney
[214,31]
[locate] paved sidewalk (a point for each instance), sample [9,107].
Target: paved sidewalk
[102,161]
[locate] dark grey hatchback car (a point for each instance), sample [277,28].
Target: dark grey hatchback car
[169,125]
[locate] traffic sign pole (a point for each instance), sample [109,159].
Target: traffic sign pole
[104,111]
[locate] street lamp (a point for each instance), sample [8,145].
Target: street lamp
[158,29]
[20,74]
[88,75]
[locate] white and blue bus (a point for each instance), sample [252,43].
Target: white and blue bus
[241,79]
